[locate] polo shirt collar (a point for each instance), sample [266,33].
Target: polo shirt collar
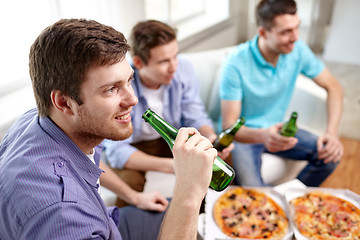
[88,171]
[256,52]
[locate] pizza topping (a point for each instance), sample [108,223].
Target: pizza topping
[232,196]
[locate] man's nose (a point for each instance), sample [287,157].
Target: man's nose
[294,35]
[173,65]
[129,98]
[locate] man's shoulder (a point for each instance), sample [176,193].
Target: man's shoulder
[301,49]
[185,72]
[28,171]
[300,44]
[28,185]
[241,51]
[183,63]
[19,126]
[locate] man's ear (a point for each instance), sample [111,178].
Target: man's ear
[61,102]
[261,31]
[137,62]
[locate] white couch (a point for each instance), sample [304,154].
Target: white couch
[309,100]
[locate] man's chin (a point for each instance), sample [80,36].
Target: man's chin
[121,135]
[288,49]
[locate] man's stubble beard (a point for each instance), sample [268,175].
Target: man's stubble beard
[94,128]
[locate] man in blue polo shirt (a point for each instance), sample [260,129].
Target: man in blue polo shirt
[257,82]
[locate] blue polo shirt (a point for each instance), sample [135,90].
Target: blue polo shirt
[264,90]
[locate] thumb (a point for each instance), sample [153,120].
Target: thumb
[320,144]
[278,126]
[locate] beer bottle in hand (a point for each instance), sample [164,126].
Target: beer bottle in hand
[226,137]
[289,128]
[222,175]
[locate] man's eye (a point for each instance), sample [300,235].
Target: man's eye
[113,90]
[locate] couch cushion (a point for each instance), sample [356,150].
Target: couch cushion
[207,65]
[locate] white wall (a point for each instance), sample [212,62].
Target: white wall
[222,35]
[314,15]
[343,41]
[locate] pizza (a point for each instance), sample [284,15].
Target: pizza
[320,215]
[250,214]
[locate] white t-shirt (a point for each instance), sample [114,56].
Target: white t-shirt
[91,157]
[154,99]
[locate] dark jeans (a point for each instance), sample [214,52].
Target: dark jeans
[247,161]
[137,224]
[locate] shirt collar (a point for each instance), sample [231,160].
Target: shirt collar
[139,86]
[256,52]
[89,172]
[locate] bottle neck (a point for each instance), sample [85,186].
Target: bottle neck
[292,121]
[236,126]
[167,131]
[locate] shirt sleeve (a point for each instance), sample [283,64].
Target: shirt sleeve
[193,110]
[66,220]
[117,153]
[230,80]
[311,66]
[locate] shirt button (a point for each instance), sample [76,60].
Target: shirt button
[60,164]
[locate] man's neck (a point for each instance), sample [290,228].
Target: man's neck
[147,82]
[269,55]
[85,143]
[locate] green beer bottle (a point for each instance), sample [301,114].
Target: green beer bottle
[226,137]
[222,175]
[289,128]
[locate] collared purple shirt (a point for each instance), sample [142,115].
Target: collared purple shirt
[48,186]
[182,108]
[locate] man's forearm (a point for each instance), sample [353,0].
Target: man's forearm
[249,135]
[334,100]
[181,219]
[208,132]
[144,162]
[334,108]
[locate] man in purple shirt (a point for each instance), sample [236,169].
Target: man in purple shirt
[49,159]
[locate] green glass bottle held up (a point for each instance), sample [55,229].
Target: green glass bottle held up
[289,128]
[222,175]
[225,138]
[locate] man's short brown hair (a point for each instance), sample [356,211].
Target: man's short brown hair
[267,10]
[149,34]
[63,53]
